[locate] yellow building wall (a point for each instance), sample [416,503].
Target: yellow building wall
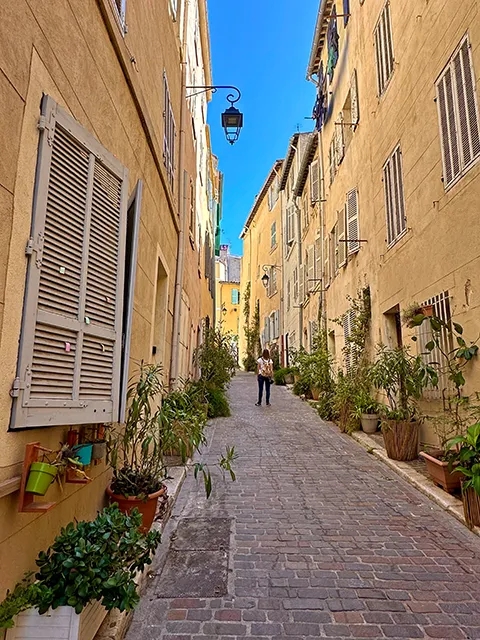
[439,250]
[36,56]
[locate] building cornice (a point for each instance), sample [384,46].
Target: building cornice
[306,161]
[324,12]
[292,149]
[261,196]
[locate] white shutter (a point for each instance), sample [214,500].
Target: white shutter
[311,269]
[342,245]
[467,104]
[326,262]
[295,283]
[331,156]
[318,258]
[352,221]
[355,110]
[448,128]
[314,181]
[384,48]
[394,196]
[289,295]
[302,284]
[70,348]
[339,140]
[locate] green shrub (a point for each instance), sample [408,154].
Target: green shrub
[326,406]
[218,406]
[249,363]
[302,388]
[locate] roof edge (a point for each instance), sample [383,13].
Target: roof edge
[263,191]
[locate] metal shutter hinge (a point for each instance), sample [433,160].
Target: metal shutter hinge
[43,125]
[36,247]
[17,386]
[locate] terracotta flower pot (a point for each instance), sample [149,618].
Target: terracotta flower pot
[440,473]
[471,507]
[369,422]
[147,507]
[427,310]
[315,393]
[401,439]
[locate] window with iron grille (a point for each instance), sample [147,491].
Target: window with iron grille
[394,196]
[273,235]
[69,362]
[168,134]
[458,114]
[384,49]
[441,310]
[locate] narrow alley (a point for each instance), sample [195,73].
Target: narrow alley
[316,538]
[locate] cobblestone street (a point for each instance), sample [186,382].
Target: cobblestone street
[324,541]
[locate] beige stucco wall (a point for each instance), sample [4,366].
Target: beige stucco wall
[440,250]
[64,49]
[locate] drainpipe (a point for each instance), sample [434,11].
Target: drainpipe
[182,195]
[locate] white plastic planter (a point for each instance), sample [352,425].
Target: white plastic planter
[59,624]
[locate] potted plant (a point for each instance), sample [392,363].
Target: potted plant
[51,468]
[467,457]
[89,564]
[367,411]
[135,451]
[413,314]
[402,377]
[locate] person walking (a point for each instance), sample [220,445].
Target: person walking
[264,376]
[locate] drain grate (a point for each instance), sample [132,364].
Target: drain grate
[197,561]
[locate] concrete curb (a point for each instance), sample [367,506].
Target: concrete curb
[449,503]
[116,623]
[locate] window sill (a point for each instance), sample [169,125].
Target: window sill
[464,172]
[272,249]
[400,237]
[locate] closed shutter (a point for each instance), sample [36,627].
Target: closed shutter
[277,323]
[394,196]
[70,348]
[339,140]
[384,48]
[288,295]
[352,221]
[333,252]
[318,258]
[326,262]
[314,180]
[301,291]
[342,245]
[295,283]
[448,128]
[355,109]
[331,157]
[311,269]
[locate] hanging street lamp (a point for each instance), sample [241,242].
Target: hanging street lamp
[232,118]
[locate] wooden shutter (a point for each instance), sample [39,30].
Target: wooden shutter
[355,109]
[342,245]
[318,259]
[302,284]
[314,180]
[326,261]
[339,140]
[133,225]
[352,221]
[70,348]
[311,269]
[448,128]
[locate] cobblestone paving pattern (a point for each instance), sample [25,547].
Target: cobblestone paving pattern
[326,541]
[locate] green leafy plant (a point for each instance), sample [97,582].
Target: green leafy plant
[216,359]
[364,403]
[403,377]
[467,455]
[225,464]
[135,452]
[88,561]
[251,329]
[412,313]
[279,375]
[218,406]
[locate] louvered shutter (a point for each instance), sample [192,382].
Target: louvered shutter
[318,258]
[288,295]
[352,221]
[295,283]
[301,291]
[314,180]
[355,109]
[467,104]
[339,140]
[333,252]
[448,128]
[311,269]
[331,157]
[342,245]
[326,262]
[70,348]
[277,321]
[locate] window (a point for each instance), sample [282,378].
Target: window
[289,296]
[192,208]
[352,222]
[314,182]
[331,159]
[394,197]
[341,252]
[332,43]
[295,283]
[169,134]
[318,259]
[273,235]
[235,296]
[70,348]
[384,49]
[272,282]
[441,310]
[310,269]
[458,114]
[273,194]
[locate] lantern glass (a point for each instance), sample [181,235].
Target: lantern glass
[232,122]
[265,280]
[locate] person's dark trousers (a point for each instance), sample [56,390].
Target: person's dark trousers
[263,381]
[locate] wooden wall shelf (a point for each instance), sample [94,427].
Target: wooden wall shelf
[26,501]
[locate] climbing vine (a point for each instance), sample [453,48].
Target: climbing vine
[251,330]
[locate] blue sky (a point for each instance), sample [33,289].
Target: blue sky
[262,48]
